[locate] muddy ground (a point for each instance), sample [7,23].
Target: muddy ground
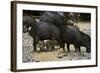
[56,55]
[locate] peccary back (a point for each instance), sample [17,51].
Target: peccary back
[55,18]
[47,30]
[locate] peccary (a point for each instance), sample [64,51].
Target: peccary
[48,45]
[69,18]
[70,35]
[44,31]
[83,40]
[51,45]
[41,30]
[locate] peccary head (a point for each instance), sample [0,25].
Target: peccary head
[27,23]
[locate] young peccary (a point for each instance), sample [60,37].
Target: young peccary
[48,45]
[51,45]
[70,35]
[85,41]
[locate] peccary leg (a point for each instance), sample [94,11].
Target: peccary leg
[77,47]
[43,47]
[36,39]
[63,46]
[68,45]
[88,50]
[34,44]
[60,43]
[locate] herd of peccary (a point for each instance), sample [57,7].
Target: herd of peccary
[52,26]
